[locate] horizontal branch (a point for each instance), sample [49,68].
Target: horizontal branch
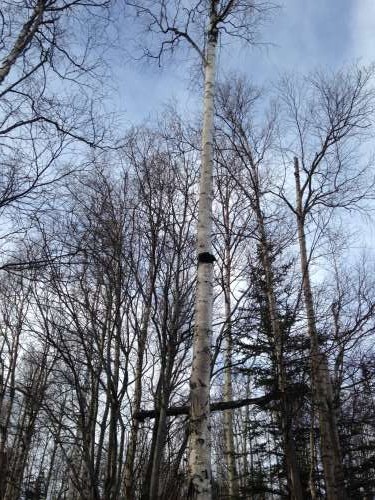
[175,411]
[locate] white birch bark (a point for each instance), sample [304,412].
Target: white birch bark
[24,38]
[199,438]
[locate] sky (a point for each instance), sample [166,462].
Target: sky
[305,34]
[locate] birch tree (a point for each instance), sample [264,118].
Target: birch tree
[73,413]
[165,181]
[252,143]
[327,131]
[233,224]
[185,23]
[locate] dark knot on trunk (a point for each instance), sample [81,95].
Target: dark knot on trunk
[206,258]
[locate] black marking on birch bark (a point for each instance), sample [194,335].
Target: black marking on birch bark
[202,383]
[206,258]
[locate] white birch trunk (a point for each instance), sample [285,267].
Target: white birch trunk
[199,438]
[24,38]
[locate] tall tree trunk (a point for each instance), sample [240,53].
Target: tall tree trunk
[174,488]
[5,410]
[293,473]
[24,39]
[199,440]
[321,382]
[168,350]
[294,480]
[132,447]
[159,438]
[20,452]
[112,483]
[229,447]
[312,485]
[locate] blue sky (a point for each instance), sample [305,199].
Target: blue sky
[304,35]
